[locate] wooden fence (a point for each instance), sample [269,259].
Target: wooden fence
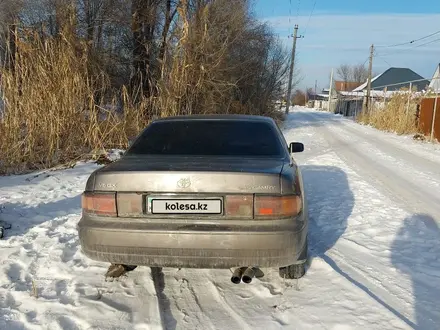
[426,117]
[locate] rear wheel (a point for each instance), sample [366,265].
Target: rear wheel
[297,270]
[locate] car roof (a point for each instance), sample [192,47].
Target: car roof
[217,117]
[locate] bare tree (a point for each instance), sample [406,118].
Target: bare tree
[78,58]
[353,73]
[359,73]
[344,72]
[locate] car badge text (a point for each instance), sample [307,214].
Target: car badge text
[107,185]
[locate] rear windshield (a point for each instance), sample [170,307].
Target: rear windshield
[209,138]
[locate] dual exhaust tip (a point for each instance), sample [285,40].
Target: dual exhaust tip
[245,274]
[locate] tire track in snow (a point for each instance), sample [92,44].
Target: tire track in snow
[252,305]
[341,263]
[142,289]
[219,296]
[360,273]
[356,263]
[410,196]
[199,290]
[186,308]
[425,170]
[430,162]
[203,295]
[376,292]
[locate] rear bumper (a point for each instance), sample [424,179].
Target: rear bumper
[177,244]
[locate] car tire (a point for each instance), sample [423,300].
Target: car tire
[296,271]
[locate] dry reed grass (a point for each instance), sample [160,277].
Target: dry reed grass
[55,111]
[395,116]
[60,107]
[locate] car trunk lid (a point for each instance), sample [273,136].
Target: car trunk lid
[191,175]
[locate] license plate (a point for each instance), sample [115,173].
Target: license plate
[185,206]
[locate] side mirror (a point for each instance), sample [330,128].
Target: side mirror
[296,147]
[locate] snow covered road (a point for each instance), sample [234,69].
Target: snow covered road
[374,202]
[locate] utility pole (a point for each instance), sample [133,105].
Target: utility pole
[330,92]
[292,64]
[316,86]
[370,73]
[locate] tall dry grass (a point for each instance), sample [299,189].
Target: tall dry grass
[55,111]
[61,106]
[395,116]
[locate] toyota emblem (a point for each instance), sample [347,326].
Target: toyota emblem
[184,183]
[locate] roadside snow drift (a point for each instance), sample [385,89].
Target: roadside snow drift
[374,202]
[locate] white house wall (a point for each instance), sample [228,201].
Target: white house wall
[435,82]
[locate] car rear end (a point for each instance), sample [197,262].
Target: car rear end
[220,204]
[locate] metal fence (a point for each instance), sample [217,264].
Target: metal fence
[429,118]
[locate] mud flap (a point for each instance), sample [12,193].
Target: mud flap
[303,257]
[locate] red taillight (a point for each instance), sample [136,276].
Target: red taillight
[239,206]
[262,207]
[103,204]
[277,206]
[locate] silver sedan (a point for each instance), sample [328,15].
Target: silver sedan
[213,191]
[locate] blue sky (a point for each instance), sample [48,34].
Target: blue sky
[342,31]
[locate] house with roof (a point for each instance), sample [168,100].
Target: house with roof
[346,86]
[435,82]
[394,79]
[383,86]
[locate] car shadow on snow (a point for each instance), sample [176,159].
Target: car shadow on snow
[166,315]
[415,254]
[415,249]
[330,203]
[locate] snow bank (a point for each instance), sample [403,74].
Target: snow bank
[374,259]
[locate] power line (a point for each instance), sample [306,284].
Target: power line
[427,43]
[410,42]
[410,48]
[385,61]
[311,13]
[290,15]
[366,61]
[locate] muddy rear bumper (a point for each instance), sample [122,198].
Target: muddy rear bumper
[124,241]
